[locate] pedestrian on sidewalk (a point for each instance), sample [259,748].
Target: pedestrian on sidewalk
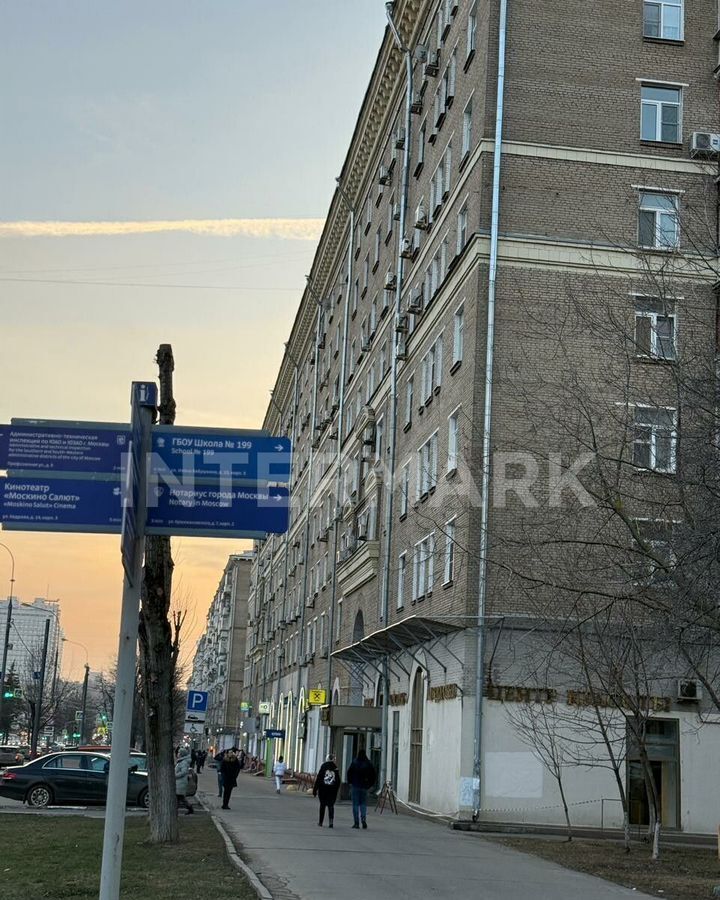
[218,758]
[230,768]
[279,770]
[361,777]
[182,771]
[327,784]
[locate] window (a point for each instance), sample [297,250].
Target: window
[467,130]
[447,168]
[424,567]
[654,546]
[366,272]
[368,213]
[453,440]
[421,148]
[356,293]
[654,328]
[449,572]
[458,328]
[338,619]
[404,489]
[379,434]
[373,316]
[471,33]
[655,438]
[409,393]
[663,19]
[383,359]
[462,221]
[336,349]
[390,215]
[427,466]
[376,254]
[660,119]
[658,221]
[431,371]
[402,566]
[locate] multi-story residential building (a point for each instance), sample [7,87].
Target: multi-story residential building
[219,662]
[521,181]
[27,635]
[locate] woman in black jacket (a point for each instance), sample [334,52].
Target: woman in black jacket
[230,769]
[327,784]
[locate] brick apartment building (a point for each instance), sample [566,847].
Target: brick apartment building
[434,334]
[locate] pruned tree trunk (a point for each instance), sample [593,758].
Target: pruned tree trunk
[158,653]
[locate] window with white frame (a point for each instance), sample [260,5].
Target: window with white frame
[356,295]
[383,359]
[336,348]
[437,187]
[368,212]
[431,370]
[466,129]
[658,221]
[654,438]
[427,465]
[458,334]
[376,253]
[379,435]
[462,224]
[471,31]
[453,440]
[402,567]
[370,383]
[366,272]
[661,113]
[424,567]
[449,573]
[409,398]
[447,169]
[663,19]
[421,147]
[653,544]
[404,489]
[390,215]
[373,316]
[339,619]
[655,328]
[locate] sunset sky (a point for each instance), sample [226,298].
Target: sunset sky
[141,143]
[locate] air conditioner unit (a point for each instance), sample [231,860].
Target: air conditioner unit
[401,324]
[421,218]
[400,138]
[416,105]
[321,343]
[384,175]
[325,652]
[415,303]
[406,248]
[689,691]
[389,280]
[396,212]
[704,142]
[366,342]
[432,64]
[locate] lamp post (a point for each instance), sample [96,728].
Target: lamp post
[6,641]
[85,686]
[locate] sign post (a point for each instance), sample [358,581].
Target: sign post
[144,400]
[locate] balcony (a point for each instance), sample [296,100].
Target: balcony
[359,567]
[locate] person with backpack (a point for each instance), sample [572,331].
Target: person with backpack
[279,770]
[361,777]
[327,784]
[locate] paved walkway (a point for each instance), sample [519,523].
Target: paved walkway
[397,858]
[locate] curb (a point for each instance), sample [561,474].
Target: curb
[259,888]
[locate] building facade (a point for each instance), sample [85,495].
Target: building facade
[543,165]
[218,666]
[27,634]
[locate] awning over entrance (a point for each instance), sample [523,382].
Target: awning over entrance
[397,638]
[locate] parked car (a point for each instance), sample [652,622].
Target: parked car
[137,757]
[70,777]
[11,756]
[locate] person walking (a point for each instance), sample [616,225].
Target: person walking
[279,770]
[327,784]
[361,777]
[182,771]
[230,768]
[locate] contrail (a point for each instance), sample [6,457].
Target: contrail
[286,229]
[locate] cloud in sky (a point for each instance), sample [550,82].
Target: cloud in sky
[286,229]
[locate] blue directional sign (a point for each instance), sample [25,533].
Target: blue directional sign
[51,447]
[275,733]
[61,504]
[216,452]
[213,511]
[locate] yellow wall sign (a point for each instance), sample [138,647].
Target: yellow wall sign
[316,697]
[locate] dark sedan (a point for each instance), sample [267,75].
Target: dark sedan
[70,777]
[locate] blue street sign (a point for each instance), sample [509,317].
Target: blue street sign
[54,447]
[60,504]
[215,452]
[212,511]
[197,701]
[274,732]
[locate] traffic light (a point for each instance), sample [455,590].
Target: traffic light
[8,693]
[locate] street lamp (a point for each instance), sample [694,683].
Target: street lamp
[8,619]
[85,685]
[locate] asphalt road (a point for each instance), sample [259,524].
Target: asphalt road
[397,858]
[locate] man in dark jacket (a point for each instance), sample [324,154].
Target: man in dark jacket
[361,777]
[326,788]
[230,768]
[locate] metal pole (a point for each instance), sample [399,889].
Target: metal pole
[84,704]
[141,423]
[6,642]
[39,697]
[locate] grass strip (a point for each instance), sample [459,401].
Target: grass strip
[58,857]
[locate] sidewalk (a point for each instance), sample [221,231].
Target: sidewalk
[397,858]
